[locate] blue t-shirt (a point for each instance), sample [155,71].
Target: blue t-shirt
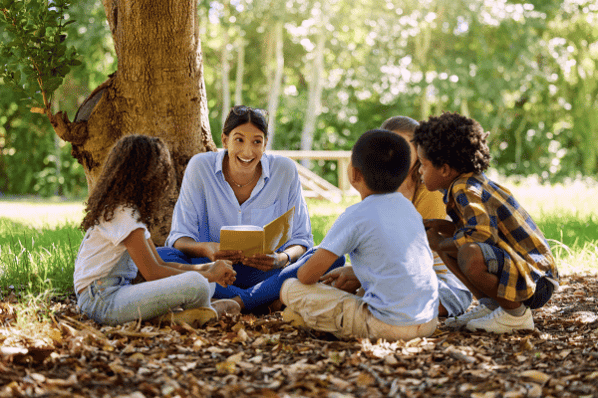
[386,241]
[207,202]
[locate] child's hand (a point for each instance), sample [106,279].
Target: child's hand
[342,278]
[434,238]
[444,227]
[221,272]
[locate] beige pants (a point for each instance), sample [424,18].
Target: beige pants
[328,309]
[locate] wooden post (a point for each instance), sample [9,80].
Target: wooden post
[343,178]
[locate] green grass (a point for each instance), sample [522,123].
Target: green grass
[39,239]
[36,260]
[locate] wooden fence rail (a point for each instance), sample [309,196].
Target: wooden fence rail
[342,158]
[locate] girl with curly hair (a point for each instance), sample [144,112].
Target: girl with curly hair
[120,212]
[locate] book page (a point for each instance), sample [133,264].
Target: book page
[278,232]
[248,238]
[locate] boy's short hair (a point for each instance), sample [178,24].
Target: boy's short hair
[454,140]
[383,159]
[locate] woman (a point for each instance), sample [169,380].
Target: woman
[240,186]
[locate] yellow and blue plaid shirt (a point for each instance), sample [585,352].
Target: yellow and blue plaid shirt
[485,212]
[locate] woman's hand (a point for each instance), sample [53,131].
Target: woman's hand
[342,278]
[234,256]
[266,262]
[221,272]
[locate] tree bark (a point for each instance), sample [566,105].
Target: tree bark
[275,88]
[225,76]
[158,90]
[314,98]
[240,71]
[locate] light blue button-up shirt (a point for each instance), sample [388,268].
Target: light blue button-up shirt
[207,202]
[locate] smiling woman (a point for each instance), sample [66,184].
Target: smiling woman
[241,185]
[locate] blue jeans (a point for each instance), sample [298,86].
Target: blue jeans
[495,261]
[254,287]
[113,300]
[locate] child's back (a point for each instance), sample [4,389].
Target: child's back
[386,240]
[390,255]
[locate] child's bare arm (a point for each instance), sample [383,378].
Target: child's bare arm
[146,258]
[444,227]
[310,272]
[144,254]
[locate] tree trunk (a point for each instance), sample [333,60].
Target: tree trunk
[314,98]
[240,71]
[225,76]
[274,98]
[158,90]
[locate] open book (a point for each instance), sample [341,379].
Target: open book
[258,240]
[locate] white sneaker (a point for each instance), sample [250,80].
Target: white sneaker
[500,321]
[459,321]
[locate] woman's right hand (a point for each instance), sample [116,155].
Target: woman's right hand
[221,272]
[234,256]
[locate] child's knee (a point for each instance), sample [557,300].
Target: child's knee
[471,259]
[285,288]
[195,284]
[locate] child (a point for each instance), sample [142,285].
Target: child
[135,180]
[455,298]
[492,245]
[386,240]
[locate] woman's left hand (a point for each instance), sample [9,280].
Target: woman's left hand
[266,262]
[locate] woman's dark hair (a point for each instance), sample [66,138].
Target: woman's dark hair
[454,140]
[137,174]
[383,158]
[242,114]
[406,125]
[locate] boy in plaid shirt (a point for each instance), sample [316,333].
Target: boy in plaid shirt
[492,244]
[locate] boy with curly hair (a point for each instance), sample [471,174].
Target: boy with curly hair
[492,244]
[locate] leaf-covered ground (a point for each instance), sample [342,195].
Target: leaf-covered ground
[248,356]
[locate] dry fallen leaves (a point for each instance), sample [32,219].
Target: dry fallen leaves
[250,356]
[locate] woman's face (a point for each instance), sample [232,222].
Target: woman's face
[412,148]
[245,144]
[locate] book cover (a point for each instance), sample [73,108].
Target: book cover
[252,239]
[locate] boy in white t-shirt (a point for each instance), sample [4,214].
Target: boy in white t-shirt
[390,256]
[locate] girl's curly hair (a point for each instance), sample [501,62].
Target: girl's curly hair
[137,174]
[455,140]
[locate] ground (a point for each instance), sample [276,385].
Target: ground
[249,356]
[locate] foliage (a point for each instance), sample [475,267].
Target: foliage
[36,55]
[527,71]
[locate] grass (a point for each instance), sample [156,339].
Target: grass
[39,239]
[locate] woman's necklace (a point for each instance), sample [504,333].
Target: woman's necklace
[243,185]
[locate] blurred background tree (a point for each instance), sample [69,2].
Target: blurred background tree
[329,70]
